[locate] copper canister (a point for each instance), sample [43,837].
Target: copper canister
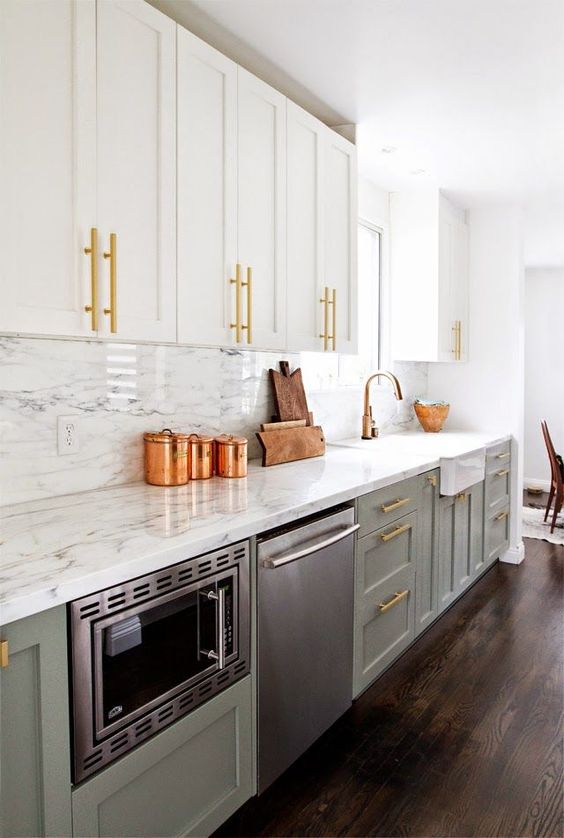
[201,456]
[231,455]
[166,458]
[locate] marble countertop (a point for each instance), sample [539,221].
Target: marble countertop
[53,551]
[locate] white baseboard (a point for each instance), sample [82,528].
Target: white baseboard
[532,481]
[513,555]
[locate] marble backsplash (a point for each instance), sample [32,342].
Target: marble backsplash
[116,391]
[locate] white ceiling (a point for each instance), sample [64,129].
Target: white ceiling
[471,91]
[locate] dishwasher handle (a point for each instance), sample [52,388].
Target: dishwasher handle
[313,547]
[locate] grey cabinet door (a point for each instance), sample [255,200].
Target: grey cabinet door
[426,589]
[34,728]
[384,598]
[469,525]
[476,528]
[447,582]
[185,781]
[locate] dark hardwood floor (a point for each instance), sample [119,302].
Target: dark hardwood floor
[461,737]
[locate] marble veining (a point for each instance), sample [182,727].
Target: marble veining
[55,550]
[117,391]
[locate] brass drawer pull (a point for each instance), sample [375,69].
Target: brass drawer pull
[395,505]
[501,516]
[432,479]
[111,254]
[397,597]
[461,496]
[502,472]
[387,536]
[4,656]
[503,456]
[92,251]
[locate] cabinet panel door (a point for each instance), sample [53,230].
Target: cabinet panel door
[35,793]
[137,165]
[447,551]
[305,144]
[47,164]
[476,528]
[341,225]
[261,153]
[427,555]
[207,191]
[186,780]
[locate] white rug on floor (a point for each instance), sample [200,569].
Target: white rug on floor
[535,527]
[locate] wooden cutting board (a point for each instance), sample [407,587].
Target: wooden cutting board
[289,394]
[289,444]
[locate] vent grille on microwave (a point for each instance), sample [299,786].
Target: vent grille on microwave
[160,718]
[147,587]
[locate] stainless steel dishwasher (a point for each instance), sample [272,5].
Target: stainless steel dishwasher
[305,636]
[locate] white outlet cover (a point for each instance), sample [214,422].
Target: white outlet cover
[67,434]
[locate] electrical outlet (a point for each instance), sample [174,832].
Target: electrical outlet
[67,434]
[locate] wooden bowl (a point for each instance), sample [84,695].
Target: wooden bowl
[431,416]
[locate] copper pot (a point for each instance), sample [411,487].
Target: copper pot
[166,458]
[201,457]
[231,455]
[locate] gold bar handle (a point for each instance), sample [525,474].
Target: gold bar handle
[237,283]
[387,536]
[249,286]
[395,505]
[501,516]
[397,597]
[4,654]
[325,302]
[334,312]
[432,479]
[92,251]
[460,340]
[111,254]
[503,456]
[454,331]
[461,496]
[502,472]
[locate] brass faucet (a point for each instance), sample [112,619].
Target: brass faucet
[369,429]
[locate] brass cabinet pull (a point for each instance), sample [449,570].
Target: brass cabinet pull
[237,283]
[249,286]
[502,472]
[111,254]
[397,597]
[395,505]
[457,330]
[432,479]
[503,456]
[459,340]
[461,496]
[501,515]
[387,536]
[92,251]
[4,654]
[333,302]
[324,300]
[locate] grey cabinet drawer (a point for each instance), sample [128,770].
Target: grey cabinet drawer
[497,486]
[187,780]
[498,456]
[387,505]
[385,598]
[496,534]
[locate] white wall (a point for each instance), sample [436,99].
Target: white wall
[544,365]
[487,392]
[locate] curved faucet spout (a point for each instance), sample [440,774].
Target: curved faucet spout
[369,429]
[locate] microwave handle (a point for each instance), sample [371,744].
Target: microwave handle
[219,656]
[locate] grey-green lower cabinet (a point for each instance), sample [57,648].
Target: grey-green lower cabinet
[34,728]
[185,781]
[426,588]
[384,598]
[461,544]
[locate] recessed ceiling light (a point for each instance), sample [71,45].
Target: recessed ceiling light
[388,149]
[417,172]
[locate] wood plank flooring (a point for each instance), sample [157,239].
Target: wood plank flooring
[463,736]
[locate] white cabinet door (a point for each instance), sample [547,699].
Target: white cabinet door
[47,164]
[262,209]
[137,166]
[341,223]
[460,286]
[207,191]
[305,277]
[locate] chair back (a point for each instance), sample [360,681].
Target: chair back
[554,467]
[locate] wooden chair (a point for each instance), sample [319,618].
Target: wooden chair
[556,481]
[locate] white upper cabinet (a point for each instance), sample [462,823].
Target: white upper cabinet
[261,154]
[47,164]
[207,192]
[429,272]
[340,236]
[136,124]
[304,310]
